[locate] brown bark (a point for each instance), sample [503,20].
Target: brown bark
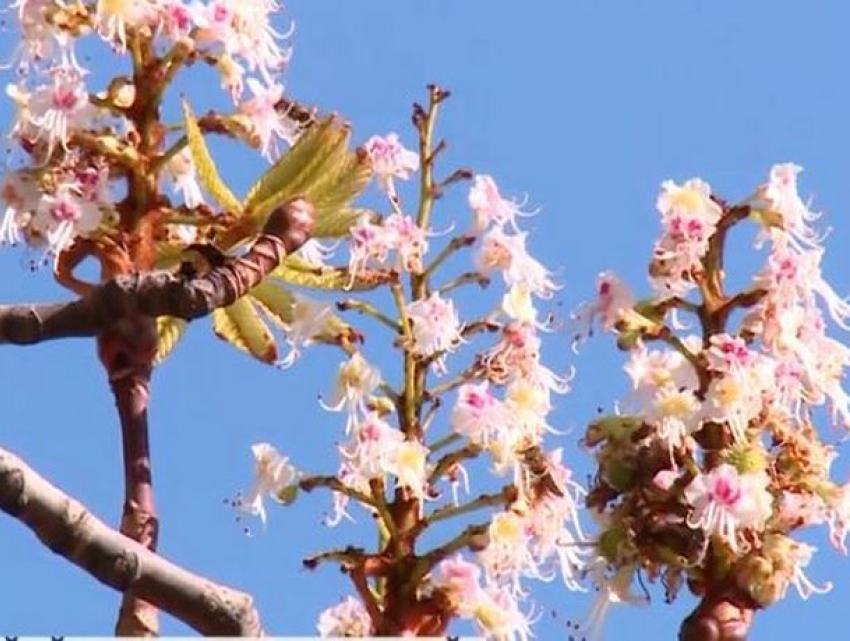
[725,615]
[67,528]
[162,293]
[127,353]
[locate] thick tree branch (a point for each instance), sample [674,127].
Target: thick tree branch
[724,615]
[162,293]
[67,528]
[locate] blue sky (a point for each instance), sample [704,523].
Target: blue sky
[584,106]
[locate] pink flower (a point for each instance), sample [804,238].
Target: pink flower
[369,242]
[176,19]
[263,119]
[436,326]
[780,195]
[489,207]
[241,28]
[346,619]
[408,239]
[390,160]
[508,254]
[62,215]
[462,580]
[729,353]
[614,299]
[54,111]
[41,41]
[725,502]
[689,218]
[372,449]
[477,414]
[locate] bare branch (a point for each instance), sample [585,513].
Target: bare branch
[67,528]
[163,293]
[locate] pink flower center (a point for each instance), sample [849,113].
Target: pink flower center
[64,99]
[726,492]
[477,401]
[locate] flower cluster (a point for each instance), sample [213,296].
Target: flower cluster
[716,440]
[499,406]
[65,128]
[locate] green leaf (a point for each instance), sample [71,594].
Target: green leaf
[275,184]
[241,326]
[319,167]
[207,171]
[277,302]
[295,271]
[341,185]
[338,223]
[169,331]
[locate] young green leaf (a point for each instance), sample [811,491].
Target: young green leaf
[169,331]
[277,302]
[241,326]
[207,171]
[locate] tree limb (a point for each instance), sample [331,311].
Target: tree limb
[163,293]
[67,528]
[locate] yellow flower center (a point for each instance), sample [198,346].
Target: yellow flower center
[688,199]
[506,528]
[676,405]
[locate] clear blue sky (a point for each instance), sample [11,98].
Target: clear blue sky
[587,107]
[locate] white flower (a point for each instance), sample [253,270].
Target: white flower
[356,380]
[509,254]
[490,207]
[725,502]
[780,195]
[113,17]
[309,319]
[674,412]
[800,556]
[372,451]
[273,474]
[346,619]
[692,199]
[53,111]
[21,195]
[734,399]
[498,615]
[436,326]
[409,466]
[62,215]
[390,160]
[462,581]
[263,119]
[612,590]
[315,253]
[477,414]
[43,44]
[184,177]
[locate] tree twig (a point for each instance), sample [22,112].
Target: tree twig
[162,293]
[66,527]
